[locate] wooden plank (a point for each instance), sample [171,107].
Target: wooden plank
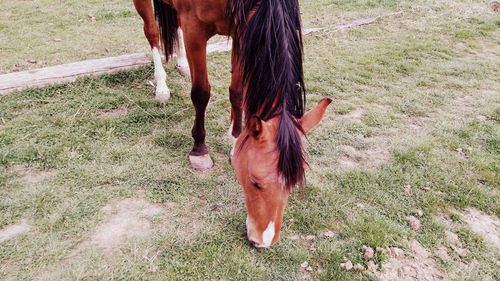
[223,46]
[69,72]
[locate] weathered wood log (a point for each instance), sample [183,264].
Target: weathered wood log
[69,72]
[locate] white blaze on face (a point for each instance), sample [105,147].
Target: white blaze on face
[162,91]
[268,235]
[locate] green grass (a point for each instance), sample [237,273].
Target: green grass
[50,32]
[426,81]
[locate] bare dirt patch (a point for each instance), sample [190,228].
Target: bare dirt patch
[128,219]
[29,175]
[372,156]
[485,225]
[418,265]
[132,219]
[354,115]
[14,230]
[120,111]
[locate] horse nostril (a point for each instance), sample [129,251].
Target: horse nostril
[257,245]
[253,243]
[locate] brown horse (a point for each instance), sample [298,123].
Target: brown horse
[266,83]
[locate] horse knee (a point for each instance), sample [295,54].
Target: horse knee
[200,97]
[235,96]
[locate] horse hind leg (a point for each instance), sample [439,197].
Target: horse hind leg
[162,92]
[145,10]
[182,63]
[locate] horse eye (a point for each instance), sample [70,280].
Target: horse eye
[254,183]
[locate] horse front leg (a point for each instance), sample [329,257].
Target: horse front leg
[196,44]
[145,10]
[236,98]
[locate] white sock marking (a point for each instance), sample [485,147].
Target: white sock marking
[182,61]
[162,90]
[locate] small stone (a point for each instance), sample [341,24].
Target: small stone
[329,234]
[304,264]
[31,61]
[57,39]
[368,253]
[359,267]
[419,212]
[418,250]
[461,152]
[381,250]
[346,265]
[452,238]
[414,223]
[309,269]
[372,267]
[408,189]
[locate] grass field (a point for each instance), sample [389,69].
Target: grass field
[95,182]
[37,33]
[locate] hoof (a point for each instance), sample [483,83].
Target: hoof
[203,162]
[163,95]
[183,69]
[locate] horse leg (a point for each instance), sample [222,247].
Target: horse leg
[145,10]
[196,45]
[182,63]
[236,98]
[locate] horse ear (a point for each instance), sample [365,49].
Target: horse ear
[255,126]
[314,116]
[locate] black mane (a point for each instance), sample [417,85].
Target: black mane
[270,45]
